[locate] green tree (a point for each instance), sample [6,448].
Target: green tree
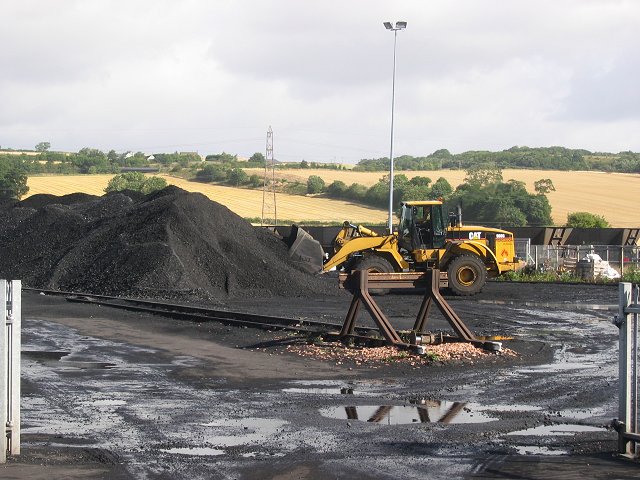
[237,177]
[315,184]
[544,186]
[211,173]
[483,174]
[441,188]
[304,164]
[420,181]
[257,158]
[356,191]
[136,181]
[586,220]
[43,146]
[13,180]
[256,181]
[337,189]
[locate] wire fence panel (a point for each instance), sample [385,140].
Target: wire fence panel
[564,258]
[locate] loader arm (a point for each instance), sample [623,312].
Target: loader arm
[387,244]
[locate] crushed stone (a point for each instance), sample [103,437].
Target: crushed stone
[376,356]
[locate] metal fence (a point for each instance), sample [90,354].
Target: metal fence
[627,321]
[10,347]
[564,258]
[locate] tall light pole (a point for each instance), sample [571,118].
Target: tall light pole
[389,26]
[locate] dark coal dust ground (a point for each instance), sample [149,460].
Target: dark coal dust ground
[112,394]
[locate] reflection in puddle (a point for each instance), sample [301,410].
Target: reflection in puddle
[338,387]
[430,411]
[558,430]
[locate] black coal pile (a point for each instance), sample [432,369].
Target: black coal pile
[171,244]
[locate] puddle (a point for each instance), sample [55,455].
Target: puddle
[105,403]
[581,414]
[431,411]
[58,359]
[44,356]
[494,338]
[558,367]
[570,305]
[531,450]
[557,430]
[243,431]
[70,364]
[321,390]
[338,387]
[195,451]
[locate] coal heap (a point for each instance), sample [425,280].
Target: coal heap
[171,244]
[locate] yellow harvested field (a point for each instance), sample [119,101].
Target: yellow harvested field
[612,195]
[244,202]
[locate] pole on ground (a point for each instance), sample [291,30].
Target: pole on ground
[10,349]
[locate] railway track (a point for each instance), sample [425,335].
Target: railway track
[202,314]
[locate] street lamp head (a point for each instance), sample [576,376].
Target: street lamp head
[401,25]
[388,25]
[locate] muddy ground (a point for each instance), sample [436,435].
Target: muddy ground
[113,394]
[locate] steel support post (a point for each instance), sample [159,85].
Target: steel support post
[625,368]
[10,349]
[4,357]
[15,298]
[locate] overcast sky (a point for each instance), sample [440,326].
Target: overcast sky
[213,75]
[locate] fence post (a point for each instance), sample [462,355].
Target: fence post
[15,299]
[10,349]
[624,364]
[4,394]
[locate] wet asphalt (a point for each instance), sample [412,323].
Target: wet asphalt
[124,395]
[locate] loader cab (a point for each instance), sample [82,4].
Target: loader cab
[422,226]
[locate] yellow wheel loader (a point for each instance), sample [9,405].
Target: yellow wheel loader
[468,253]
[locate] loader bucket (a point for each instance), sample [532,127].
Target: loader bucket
[305,250]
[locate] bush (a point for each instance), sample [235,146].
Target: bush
[13,180]
[237,177]
[136,181]
[586,220]
[337,189]
[315,184]
[256,181]
[211,173]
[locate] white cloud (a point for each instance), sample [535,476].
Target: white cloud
[213,75]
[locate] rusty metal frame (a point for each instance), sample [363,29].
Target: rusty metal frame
[360,282]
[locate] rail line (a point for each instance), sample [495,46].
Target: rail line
[202,314]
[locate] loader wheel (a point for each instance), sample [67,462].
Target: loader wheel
[375,264]
[467,275]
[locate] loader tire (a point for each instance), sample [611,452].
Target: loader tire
[467,275]
[375,264]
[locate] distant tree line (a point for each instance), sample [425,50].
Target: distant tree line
[544,158]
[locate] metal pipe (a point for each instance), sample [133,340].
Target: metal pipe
[388,26]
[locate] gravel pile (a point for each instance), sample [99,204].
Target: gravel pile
[375,357]
[171,244]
